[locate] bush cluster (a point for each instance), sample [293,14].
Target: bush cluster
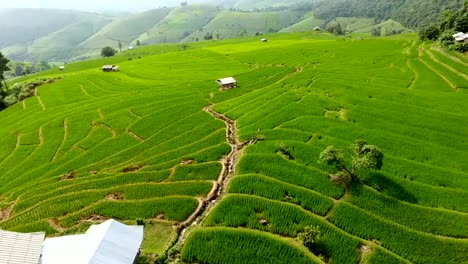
[20,91]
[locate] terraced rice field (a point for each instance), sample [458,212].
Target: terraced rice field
[138,144]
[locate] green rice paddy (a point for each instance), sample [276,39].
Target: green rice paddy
[137,144]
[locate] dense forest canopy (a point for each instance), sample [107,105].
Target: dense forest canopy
[411,13]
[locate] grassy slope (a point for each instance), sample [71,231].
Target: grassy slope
[245,4]
[61,45]
[12,21]
[386,28]
[405,98]
[125,29]
[307,24]
[236,24]
[179,23]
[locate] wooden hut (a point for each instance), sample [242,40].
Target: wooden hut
[110,68]
[227,83]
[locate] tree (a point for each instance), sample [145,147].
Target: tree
[208,36]
[430,33]
[447,19]
[335,28]
[44,65]
[3,68]
[18,70]
[309,236]
[364,156]
[138,43]
[108,52]
[461,23]
[376,32]
[120,46]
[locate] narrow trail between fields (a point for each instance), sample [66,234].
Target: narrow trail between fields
[346,194]
[229,164]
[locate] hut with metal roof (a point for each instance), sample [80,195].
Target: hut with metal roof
[227,83]
[109,242]
[19,248]
[110,68]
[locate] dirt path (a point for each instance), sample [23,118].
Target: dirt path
[131,133]
[65,134]
[335,202]
[6,213]
[410,86]
[110,129]
[41,138]
[84,90]
[101,116]
[133,113]
[54,223]
[219,188]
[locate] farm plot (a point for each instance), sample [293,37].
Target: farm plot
[127,145]
[138,144]
[410,104]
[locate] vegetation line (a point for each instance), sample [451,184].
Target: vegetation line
[464,76]
[410,86]
[441,51]
[131,133]
[65,134]
[441,75]
[84,91]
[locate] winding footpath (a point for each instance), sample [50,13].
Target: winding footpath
[229,164]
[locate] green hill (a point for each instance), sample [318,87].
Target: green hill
[389,27]
[179,23]
[308,23]
[61,45]
[159,141]
[46,21]
[231,24]
[247,5]
[126,30]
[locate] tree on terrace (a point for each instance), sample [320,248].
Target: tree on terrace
[364,156]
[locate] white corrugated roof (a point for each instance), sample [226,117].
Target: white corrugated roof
[109,242]
[459,34]
[228,80]
[19,248]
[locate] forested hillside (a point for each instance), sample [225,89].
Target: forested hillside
[411,13]
[63,35]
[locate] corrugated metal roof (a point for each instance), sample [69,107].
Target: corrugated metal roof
[109,242]
[19,248]
[228,80]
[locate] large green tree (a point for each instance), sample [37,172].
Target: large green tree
[363,156]
[108,52]
[3,68]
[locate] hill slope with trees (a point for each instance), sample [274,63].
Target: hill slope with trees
[411,13]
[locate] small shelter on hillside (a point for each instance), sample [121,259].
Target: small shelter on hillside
[460,37]
[227,83]
[19,248]
[62,68]
[264,40]
[109,242]
[110,68]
